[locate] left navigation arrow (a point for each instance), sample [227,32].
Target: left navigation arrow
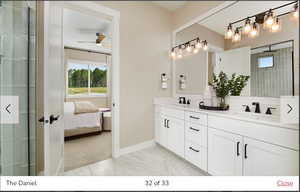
[7,108]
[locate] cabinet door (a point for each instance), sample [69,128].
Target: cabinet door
[162,131]
[175,135]
[224,153]
[269,160]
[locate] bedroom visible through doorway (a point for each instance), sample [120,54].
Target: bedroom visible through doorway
[87,106]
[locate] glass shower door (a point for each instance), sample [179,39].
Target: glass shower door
[17,78]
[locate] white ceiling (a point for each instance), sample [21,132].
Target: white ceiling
[81,27]
[219,22]
[170,5]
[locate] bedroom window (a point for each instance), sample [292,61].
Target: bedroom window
[86,79]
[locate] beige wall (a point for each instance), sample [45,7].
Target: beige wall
[290,31]
[145,39]
[192,10]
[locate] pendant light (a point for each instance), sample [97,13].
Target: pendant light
[269,19]
[295,12]
[205,45]
[198,44]
[237,36]
[229,32]
[254,30]
[173,53]
[247,26]
[276,26]
[188,48]
[179,56]
[195,50]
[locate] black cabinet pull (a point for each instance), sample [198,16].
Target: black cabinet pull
[165,123]
[238,148]
[191,148]
[168,123]
[194,129]
[194,117]
[246,151]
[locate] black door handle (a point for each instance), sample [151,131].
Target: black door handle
[246,151]
[238,148]
[42,120]
[52,118]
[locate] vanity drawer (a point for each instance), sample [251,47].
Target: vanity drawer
[197,118]
[196,155]
[196,133]
[172,112]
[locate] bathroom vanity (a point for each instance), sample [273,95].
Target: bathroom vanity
[228,143]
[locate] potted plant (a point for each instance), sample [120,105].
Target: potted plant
[237,83]
[222,87]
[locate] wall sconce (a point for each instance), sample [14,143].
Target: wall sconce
[182,82]
[164,81]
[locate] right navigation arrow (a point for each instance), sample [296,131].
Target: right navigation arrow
[291,108]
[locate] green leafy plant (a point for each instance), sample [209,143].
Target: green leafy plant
[237,83]
[222,87]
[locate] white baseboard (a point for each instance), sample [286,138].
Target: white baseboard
[137,147]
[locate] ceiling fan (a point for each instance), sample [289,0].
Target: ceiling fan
[99,40]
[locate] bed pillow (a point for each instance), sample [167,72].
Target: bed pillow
[84,107]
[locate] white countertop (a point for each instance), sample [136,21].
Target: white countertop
[243,116]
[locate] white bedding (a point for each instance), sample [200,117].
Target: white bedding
[73,121]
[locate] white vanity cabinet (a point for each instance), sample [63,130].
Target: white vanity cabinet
[196,139]
[234,153]
[265,159]
[224,153]
[170,129]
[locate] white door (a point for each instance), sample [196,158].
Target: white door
[175,131]
[224,153]
[162,132]
[263,159]
[53,87]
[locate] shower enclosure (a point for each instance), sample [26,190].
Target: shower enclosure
[17,78]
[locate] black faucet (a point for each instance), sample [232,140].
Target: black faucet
[257,108]
[182,100]
[268,112]
[247,109]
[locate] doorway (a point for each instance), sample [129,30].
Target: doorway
[53,28]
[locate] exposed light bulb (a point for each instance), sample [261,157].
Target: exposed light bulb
[173,54]
[254,30]
[295,13]
[195,51]
[229,32]
[205,46]
[276,26]
[188,48]
[269,19]
[237,36]
[179,56]
[247,26]
[198,44]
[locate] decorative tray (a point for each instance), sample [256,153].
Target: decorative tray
[202,106]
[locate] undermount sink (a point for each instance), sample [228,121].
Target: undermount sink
[256,116]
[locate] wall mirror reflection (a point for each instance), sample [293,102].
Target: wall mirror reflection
[268,54]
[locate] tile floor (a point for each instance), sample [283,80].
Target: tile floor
[153,161]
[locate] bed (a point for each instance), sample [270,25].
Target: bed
[83,123]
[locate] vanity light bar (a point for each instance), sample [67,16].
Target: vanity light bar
[266,18]
[191,46]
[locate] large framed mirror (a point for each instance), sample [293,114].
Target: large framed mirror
[270,58]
